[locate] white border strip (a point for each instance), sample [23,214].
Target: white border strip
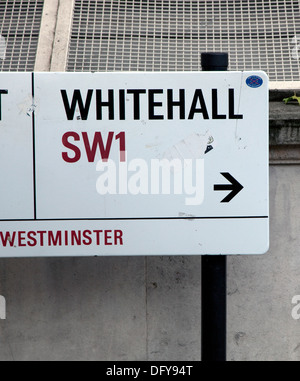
[47,34]
[293,85]
[62,35]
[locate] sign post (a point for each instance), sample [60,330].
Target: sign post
[214,268]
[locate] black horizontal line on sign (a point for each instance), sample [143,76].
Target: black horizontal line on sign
[138,218]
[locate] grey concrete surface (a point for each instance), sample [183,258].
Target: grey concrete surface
[136,308]
[173,308]
[260,289]
[73,309]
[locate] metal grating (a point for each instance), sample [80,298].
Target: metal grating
[19,29]
[159,35]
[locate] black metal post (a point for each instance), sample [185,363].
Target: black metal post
[214,270]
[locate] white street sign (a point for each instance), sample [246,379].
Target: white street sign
[133,163]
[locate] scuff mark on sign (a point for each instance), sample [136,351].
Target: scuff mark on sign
[28,106]
[11,241]
[194,146]
[31,110]
[190,217]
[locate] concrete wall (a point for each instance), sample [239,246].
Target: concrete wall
[137,308]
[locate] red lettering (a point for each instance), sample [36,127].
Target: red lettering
[54,239]
[41,234]
[121,136]
[31,239]
[92,146]
[107,237]
[75,149]
[98,141]
[118,237]
[62,238]
[8,239]
[66,238]
[98,232]
[75,237]
[21,238]
[87,237]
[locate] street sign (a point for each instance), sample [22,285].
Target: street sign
[133,163]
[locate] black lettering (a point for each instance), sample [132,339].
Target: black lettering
[122,104]
[232,115]
[77,98]
[203,110]
[215,114]
[136,102]
[2,92]
[109,104]
[152,104]
[172,104]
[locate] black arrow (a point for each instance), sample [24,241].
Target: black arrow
[235,187]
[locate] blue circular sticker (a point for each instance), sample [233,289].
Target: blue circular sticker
[254,81]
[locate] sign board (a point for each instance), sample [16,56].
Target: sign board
[133,163]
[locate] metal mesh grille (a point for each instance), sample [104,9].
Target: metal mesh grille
[118,35]
[19,28]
